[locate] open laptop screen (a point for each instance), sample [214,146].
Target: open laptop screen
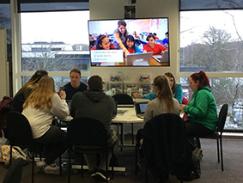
[141,107]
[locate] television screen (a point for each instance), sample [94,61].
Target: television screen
[129,42]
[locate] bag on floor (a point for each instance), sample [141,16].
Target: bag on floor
[17,153]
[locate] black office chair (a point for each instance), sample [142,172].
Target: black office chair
[19,134]
[218,134]
[89,136]
[165,148]
[123,99]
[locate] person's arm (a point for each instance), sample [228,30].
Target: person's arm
[199,107]
[178,93]
[149,112]
[120,43]
[150,96]
[59,107]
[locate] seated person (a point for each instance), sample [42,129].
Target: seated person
[74,85]
[40,108]
[201,110]
[176,89]
[94,103]
[151,46]
[103,43]
[26,90]
[164,101]
[131,46]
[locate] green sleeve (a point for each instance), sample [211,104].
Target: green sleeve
[199,106]
[178,93]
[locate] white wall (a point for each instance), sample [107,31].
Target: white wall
[114,9]
[4,80]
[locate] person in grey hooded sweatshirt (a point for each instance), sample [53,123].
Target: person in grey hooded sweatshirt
[95,104]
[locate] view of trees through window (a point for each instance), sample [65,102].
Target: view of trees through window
[213,41]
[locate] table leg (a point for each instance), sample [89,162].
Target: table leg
[121,136]
[132,133]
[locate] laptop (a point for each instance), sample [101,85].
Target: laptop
[139,59]
[162,57]
[140,109]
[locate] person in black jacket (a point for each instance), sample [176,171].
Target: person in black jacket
[165,147]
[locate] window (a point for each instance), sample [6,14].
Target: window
[55,41]
[211,41]
[226,90]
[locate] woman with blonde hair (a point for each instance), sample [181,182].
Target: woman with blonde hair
[164,101]
[40,108]
[26,90]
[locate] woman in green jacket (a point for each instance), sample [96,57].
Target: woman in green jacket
[201,109]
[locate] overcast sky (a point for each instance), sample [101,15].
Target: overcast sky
[69,27]
[194,24]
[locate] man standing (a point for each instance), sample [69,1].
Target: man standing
[74,85]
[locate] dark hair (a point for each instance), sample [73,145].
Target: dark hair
[95,83]
[170,75]
[121,22]
[149,36]
[76,71]
[202,79]
[33,80]
[130,38]
[38,75]
[99,41]
[164,91]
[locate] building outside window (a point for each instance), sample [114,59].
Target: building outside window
[55,41]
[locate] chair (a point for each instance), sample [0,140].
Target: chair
[90,137]
[165,147]
[123,99]
[218,133]
[19,134]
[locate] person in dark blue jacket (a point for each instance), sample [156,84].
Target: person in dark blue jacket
[75,85]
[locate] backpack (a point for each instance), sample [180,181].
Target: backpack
[5,107]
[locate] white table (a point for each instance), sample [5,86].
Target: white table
[126,115]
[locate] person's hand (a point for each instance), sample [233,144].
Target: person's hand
[62,94]
[182,106]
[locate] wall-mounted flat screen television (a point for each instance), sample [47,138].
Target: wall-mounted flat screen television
[129,42]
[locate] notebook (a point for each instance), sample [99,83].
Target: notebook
[139,59]
[140,109]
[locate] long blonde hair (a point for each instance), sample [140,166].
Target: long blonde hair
[31,84]
[40,97]
[164,91]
